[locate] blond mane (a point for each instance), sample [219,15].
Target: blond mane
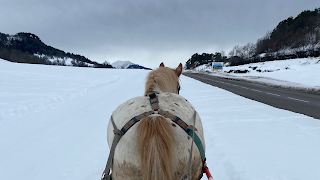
[163,79]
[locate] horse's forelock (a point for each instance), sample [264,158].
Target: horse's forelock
[164,78]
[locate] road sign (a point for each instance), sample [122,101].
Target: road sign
[217,65]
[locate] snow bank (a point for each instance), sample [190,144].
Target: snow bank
[296,74]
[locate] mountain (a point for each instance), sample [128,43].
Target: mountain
[121,64]
[28,48]
[127,65]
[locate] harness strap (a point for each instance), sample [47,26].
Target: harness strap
[189,129]
[134,120]
[117,136]
[187,175]
[154,102]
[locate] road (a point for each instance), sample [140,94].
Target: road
[295,101]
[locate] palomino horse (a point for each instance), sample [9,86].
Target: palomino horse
[156,148]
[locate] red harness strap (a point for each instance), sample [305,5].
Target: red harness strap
[206,170]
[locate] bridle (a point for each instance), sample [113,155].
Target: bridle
[178,86]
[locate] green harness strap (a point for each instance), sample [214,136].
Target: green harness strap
[189,129]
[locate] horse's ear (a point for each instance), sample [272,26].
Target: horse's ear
[161,65]
[178,70]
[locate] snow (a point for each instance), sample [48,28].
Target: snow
[53,124]
[14,38]
[262,55]
[58,60]
[122,64]
[300,74]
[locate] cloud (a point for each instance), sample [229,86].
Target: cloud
[147,32]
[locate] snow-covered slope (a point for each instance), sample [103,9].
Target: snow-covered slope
[66,61]
[53,123]
[122,64]
[299,74]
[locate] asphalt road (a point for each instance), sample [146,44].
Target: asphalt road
[295,101]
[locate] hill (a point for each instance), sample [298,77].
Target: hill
[28,48]
[291,33]
[292,38]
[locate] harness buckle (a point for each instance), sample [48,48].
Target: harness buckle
[190,127]
[152,95]
[117,131]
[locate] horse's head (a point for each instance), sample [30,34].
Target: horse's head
[164,79]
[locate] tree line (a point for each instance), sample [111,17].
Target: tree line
[205,58]
[297,37]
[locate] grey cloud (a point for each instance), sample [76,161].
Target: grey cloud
[147,32]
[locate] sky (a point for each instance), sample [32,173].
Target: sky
[147,32]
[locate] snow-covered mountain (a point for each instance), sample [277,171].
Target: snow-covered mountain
[28,48]
[121,64]
[127,65]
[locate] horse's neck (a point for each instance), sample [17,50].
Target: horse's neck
[153,88]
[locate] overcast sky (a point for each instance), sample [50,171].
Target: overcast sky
[147,32]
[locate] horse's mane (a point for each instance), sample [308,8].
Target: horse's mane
[163,79]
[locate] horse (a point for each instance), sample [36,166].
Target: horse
[156,148]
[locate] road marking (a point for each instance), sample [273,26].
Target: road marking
[273,94]
[298,100]
[256,90]
[244,87]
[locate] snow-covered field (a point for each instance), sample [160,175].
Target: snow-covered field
[53,123]
[300,74]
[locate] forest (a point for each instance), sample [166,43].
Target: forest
[297,37]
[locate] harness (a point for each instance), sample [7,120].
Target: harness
[154,102]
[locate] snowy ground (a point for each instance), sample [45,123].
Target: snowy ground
[53,123]
[299,74]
